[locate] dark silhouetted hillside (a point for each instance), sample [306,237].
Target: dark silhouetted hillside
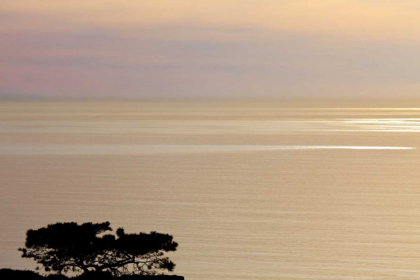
[9,274]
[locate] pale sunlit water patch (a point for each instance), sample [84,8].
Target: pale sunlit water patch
[382,125]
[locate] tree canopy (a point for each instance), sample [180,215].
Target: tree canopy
[64,247]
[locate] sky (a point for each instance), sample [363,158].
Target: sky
[102,49]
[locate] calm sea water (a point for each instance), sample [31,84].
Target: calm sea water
[265,190]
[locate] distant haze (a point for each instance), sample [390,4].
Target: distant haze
[209,49]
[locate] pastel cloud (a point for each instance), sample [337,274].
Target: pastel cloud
[372,19]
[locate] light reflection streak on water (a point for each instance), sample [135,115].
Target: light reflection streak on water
[142,149]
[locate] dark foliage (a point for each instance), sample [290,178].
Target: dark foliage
[64,247]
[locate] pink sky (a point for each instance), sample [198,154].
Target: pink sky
[204,49]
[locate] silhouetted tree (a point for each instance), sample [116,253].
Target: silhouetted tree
[64,247]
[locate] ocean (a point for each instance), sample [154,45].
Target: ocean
[249,189]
